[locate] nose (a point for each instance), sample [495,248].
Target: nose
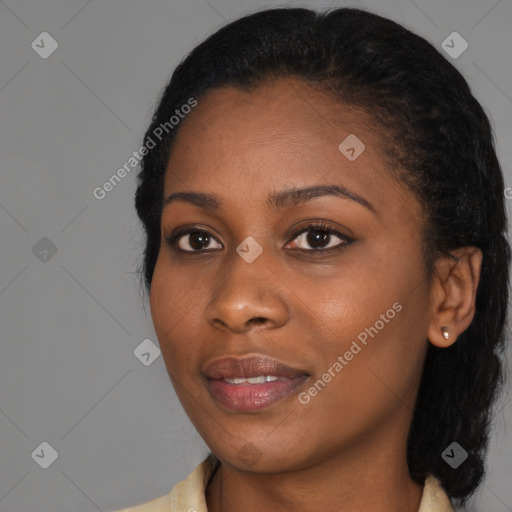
[248,297]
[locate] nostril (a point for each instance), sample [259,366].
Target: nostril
[258,320]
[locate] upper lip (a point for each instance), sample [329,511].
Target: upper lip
[247,367]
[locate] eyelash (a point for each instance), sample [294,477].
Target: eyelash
[173,239]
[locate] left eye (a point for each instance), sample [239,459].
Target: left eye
[320,238]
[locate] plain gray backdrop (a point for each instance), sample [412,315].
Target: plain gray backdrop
[75,381]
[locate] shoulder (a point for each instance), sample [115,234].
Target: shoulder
[434,497]
[186,496]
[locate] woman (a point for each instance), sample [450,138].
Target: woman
[326,265]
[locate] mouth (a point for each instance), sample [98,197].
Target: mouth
[251,383]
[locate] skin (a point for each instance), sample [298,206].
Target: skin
[345,449]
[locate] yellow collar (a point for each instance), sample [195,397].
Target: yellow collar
[188,495]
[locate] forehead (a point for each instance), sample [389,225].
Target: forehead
[279,111]
[283,132]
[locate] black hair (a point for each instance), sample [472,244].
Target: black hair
[439,143]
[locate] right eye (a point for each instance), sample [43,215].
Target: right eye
[191,240]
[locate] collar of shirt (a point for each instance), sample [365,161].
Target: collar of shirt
[188,495]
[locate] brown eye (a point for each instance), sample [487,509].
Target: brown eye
[320,237]
[193,240]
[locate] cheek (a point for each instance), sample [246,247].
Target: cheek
[375,380]
[162,301]
[362,288]
[172,314]
[376,313]
[378,327]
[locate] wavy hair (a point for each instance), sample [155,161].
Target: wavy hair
[438,143]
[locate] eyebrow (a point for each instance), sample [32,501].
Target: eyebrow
[283,199]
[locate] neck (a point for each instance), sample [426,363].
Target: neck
[364,478]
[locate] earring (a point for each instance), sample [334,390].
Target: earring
[446,334]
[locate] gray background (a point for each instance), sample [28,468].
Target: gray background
[71,321]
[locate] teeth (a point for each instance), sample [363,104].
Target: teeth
[261,379]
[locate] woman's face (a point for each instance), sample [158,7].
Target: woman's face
[347,312]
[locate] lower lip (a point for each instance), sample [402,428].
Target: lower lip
[253,397]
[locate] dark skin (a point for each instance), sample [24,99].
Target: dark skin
[345,449]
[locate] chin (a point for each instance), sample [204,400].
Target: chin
[261,458]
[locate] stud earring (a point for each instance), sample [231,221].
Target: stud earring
[446,334]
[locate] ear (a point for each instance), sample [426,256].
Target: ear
[453,294]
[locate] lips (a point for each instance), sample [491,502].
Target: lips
[247,367]
[251,383]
